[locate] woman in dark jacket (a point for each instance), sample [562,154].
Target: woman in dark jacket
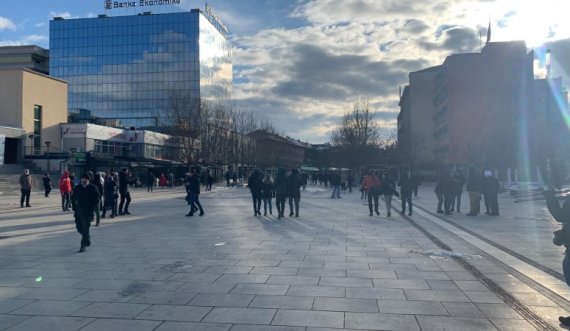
[111,193]
[267,193]
[255,183]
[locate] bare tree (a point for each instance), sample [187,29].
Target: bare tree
[358,134]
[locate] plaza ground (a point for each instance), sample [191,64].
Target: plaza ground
[332,268]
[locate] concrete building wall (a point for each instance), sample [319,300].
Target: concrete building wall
[49,93]
[422,105]
[11,98]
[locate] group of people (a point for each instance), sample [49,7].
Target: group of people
[449,190]
[284,186]
[374,187]
[161,181]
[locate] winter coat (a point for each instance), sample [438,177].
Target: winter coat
[490,186]
[406,185]
[193,184]
[110,189]
[280,184]
[255,184]
[47,181]
[26,182]
[388,186]
[84,200]
[123,183]
[473,184]
[267,190]
[65,183]
[371,183]
[458,182]
[294,185]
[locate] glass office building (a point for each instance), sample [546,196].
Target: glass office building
[126,67]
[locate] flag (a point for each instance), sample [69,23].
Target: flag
[489,33]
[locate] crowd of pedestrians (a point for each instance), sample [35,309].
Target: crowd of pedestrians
[284,186]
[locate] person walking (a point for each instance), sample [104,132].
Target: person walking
[416,182]
[335,184]
[150,179]
[98,182]
[474,189]
[267,193]
[371,184]
[440,193]
[490,191]
[280,186]
[255,183]
[388,189]
[26,184]
[458,183]
[124,182]
[227,177]
[162,181]
[111,193]
[406,191]
[209,181]
[171,180]
[193,191]
[350,182]
[85,198]
[47,184]
[234,179]
[294,191]
[65,191]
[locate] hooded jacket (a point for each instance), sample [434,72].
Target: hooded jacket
[65,183]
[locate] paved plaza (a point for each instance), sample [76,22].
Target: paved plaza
[333,268]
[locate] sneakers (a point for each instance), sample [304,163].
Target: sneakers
[82,249]
[201,213]
[189,214]
[388,214]
[378,213]
[564,320]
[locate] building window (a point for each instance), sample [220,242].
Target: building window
[37,141]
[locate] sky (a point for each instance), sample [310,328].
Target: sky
[301,63]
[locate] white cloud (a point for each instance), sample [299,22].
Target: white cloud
[25,40]
[7,24]
[40,25]
[64,15]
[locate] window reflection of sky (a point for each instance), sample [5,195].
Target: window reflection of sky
[125,66]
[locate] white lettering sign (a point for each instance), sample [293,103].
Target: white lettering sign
[109,4]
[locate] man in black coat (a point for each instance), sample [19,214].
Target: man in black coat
[85,198]
[193,193]
[294,191]
[255,183]
[124,182]
[490,193]
[406,191]
[281,192]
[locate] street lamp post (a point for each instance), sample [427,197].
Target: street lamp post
[72,150]
[48,143]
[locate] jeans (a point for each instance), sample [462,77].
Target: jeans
[195,203]
[110,203]
[407,197]
[280,203]
[267,202]
[295,199]
[256,204]
[65,201]
[25,197]
[82,224]
[388,200]
[336,189]
[566,268]
[372,196]
[125,196]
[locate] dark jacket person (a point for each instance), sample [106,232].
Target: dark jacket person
[294,191]
[85,198]
[280,192]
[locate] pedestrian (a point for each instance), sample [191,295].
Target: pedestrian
[111,194]
[26,184]
[162,181]
[490,191]
[150,179]
[47,184]
[388,189]
[255,183]
[193,193]
[65,191]
[371,184]
[335,184]
[124,182]
[294,191]
[458,183]
[362,189]
[304,180]
[416,182]
[406,191]
[171,180]
[227,177]
[350,182]
[98,182]
[234,179]
[267,193]
[209,181]
[474,189]
[84,199]
[439,192]
[562,236]
[280,192]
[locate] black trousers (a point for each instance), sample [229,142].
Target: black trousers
[448,202]
[440,201]
[65,201]
[126,196]
[280,203]
[373,196]
[47,190]
[110,203]
[256,204]
[406,198]
[458,201]
[25,197]
[493,204]
[82,224]
[294,199]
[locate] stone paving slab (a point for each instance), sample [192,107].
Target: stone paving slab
[334,268]
[52,323]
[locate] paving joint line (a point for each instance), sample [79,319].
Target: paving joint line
[506,297]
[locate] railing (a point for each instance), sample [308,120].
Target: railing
[42,152]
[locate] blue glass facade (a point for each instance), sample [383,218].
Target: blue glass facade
[125,67]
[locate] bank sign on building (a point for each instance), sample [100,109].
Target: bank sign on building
[140,3]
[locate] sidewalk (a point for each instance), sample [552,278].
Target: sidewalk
[333,268]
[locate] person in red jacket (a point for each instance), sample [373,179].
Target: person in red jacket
[65,190]
[371,184]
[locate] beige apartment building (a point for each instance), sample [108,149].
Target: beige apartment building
[32,106]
